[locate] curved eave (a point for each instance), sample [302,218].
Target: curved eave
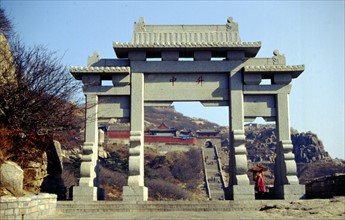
[294,70]
[186,49]
[106,72]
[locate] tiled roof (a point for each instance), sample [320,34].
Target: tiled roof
[273,68]
[187,45]
[97,69]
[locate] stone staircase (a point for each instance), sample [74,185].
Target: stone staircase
[213,178]
[156,206]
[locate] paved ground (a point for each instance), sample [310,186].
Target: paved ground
[168,215]
[182,215]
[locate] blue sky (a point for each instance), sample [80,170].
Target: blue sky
[307,32]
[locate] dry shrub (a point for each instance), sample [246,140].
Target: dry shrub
[111,178]
[188,166]
[160,190]
[5,145]
[22,147]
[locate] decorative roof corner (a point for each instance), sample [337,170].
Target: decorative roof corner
[120,69]
[93,59]
[295,70]
[78,72]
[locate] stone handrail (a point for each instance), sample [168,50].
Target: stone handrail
[219,165]
[205,174]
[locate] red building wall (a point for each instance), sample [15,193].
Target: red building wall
[169,140]
[152,139]
[118,134]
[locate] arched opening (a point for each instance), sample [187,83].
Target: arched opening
[261,142]
[208,144]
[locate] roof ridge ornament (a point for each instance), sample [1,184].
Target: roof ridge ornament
[93,59]
[231,25]
[278,59]
[140,25]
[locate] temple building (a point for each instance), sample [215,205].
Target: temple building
[207,133]
[163,130]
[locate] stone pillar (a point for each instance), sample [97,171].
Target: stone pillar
[240,189]
[286,184]
[87,189]
[136,191]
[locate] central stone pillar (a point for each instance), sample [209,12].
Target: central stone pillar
[240,188]
[286,183]
[136,191]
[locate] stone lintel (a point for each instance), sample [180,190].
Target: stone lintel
[215,103]
[106,90]
[266,89]
[158,103]
[193,95]
[266,118]
[167,67]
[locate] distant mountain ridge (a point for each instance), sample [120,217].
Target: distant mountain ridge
[261,138]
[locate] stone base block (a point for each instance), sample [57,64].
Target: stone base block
[290,192]
[243,192]
[135,193]
[84,193]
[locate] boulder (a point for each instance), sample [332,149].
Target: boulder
[11,177]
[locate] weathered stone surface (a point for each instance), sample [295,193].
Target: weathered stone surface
[11,176]
[53,182]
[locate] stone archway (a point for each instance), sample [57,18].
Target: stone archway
[208,144]
[221,71]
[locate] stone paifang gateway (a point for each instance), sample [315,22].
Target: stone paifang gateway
[205,63]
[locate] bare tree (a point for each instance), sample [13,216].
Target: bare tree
[5,24]
[36,90]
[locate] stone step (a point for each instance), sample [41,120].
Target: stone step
[215,187]
[217,196]
[112,206]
